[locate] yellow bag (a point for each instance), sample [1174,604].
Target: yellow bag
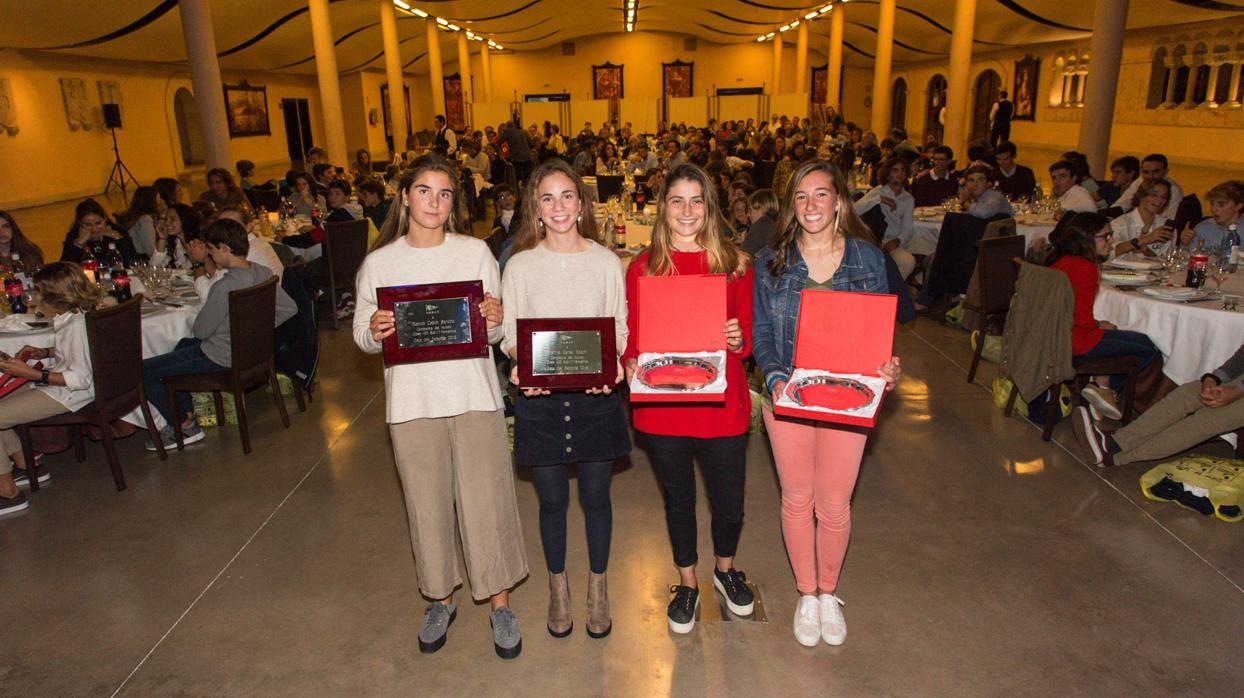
[1200,483]
[993,346]
[1002,392]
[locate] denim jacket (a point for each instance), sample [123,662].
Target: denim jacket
[776,300]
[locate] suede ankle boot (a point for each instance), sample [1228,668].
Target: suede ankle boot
[560,622]
[599,622]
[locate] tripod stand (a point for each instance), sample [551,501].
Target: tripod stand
[120,173]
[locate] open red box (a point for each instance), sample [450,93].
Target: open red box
[846,335]
[682,316]
[9,383]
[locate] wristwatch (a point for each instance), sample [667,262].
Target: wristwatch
[1136,243]
[43,377]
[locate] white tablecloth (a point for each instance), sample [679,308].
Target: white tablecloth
[163,328]
[1194,338]
[926,232]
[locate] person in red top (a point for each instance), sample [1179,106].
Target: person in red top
[1078,246]
[690,237]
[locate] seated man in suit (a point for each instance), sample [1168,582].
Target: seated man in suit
[1014,180]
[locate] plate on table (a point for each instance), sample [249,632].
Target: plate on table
[1178,295]
[1127,278]
[1134,263]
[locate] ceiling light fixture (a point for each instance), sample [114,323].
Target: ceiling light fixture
[402,5]
[629,11]
[442,21]
[454,27]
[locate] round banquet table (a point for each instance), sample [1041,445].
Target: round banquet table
[1194,338]
[163,327]
[928,229]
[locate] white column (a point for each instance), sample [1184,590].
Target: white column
[1105,52]
[1236,85]
[1170,84]
[435,76]
[485,66]
[957,88]
[833,88]
[393,73]
[209,95]
[777,64]
[881,69]
[1080,85]
[1212,92]
[464,73]
[330,89]
[801,58]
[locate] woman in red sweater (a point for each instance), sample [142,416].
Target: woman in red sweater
[1079,245]
[691,237]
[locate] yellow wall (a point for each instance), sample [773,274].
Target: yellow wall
[46,161]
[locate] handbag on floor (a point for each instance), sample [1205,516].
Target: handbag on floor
[1209,486]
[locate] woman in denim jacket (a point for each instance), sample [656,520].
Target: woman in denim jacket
[820,244]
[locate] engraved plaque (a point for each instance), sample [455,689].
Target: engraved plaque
[566,353]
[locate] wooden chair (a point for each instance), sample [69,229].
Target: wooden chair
[114,336]
[996,276]
[252,316]
[269,198]
[345,246]
[1128,366]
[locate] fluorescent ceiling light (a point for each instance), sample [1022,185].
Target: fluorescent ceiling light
[454,27]
[442,21]
[401,4]
[810,15]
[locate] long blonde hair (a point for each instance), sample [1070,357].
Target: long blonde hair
[846,222]
[531,228]
[63,286]
[724,257]
[397,223]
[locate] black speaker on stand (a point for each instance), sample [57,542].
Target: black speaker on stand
[120,173]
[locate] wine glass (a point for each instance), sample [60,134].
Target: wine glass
[1219,270]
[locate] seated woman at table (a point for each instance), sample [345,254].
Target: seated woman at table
[607,162]
[762,211]
[92,232]
[209,348]
[14,242]
[302,196]
[897,206]
[174,230]
[1078,248]
[978,196]
[139,220]
[221,190]
[169,190]
[361,164]
[1226,205]
[1144,229]
[65,384]
[1193,413]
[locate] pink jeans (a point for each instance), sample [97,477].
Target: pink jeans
[817,465]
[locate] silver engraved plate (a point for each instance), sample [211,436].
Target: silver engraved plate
[565,352]
[831,392]
[432,323]
[677,373]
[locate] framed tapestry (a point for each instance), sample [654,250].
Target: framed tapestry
[820,84]
[246,110]
[455,112]
[607,81]
[677,79]
[1027,71]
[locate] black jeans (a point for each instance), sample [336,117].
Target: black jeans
[553,489]
[724,460]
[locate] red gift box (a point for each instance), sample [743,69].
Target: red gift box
[9,383]
[682,315]
[841,333]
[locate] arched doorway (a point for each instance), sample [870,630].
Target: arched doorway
[189,135]
[935,102]
[985,94]
[898,104]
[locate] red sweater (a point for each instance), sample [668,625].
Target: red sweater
[1085,278]
[708,420]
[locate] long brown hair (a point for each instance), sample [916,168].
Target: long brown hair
[724,257]
[846,222]
[397,223]
[531,228]
[29,252]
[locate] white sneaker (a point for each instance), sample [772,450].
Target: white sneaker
[833,625]
[808,621]
[1102,402]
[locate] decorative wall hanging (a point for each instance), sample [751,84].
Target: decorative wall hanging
[246,110]
[109,91]
[8,108]
[820,84]
[607,81]
[455,111]
[1027,72]
[678,79]
[77,110]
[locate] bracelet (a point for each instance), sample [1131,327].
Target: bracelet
[1217,380]
[43,377]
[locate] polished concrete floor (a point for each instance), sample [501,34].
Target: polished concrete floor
[984,562]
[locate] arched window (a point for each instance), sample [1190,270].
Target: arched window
[935,102]
[985,95]
[898,104]
[1159,75]
[189,135]
[1056,83]
[1222,89]
[1182,75]
[1200,86]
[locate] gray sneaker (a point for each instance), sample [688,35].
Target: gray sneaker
[506,638]
[435,626]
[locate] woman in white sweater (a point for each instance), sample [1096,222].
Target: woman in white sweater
[559,270]
[445,417]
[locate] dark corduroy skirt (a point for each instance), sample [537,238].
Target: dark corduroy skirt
[570,427]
